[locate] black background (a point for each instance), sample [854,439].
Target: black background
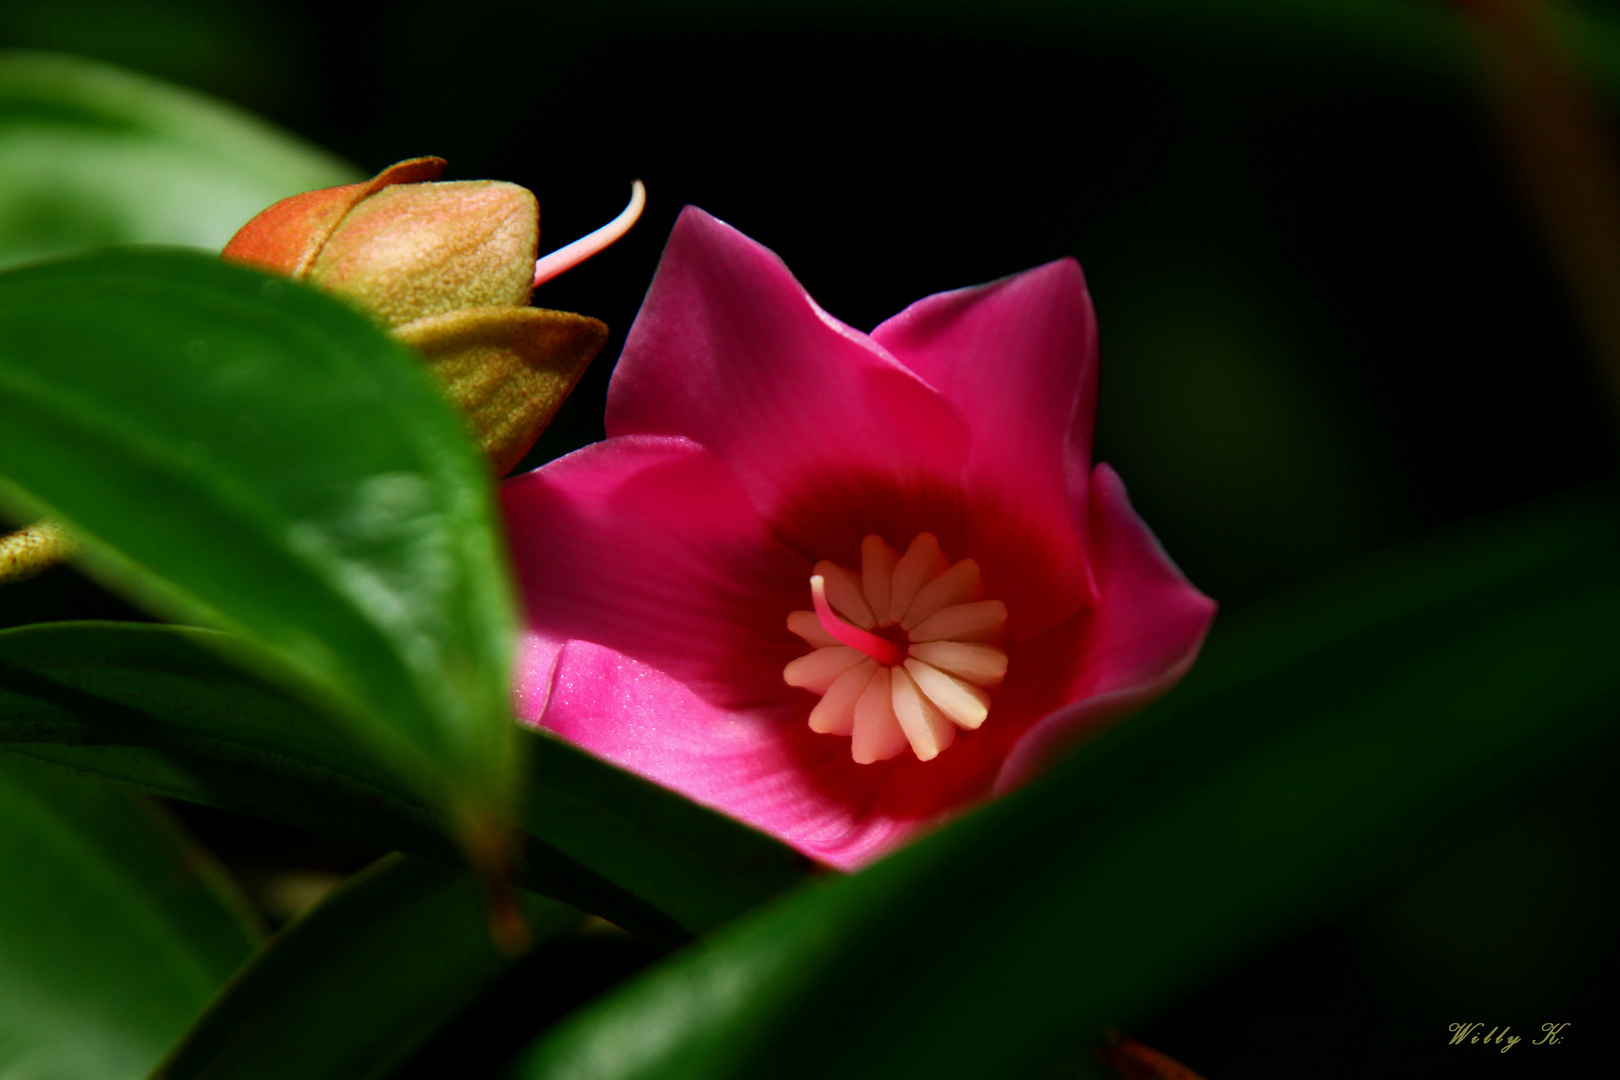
[1327,326]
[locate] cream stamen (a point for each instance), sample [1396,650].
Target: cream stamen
[883,695]
[983,621]
[928,729]
[845,594]
[835,713]
[961,701]
[816,671]
[807,626]
[877,572]
[983,665]
[877,735]
[922,562]
[960,584]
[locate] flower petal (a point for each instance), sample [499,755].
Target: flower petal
[760,764]
[753,435]
[1145,632]
[1019,357]
[656,638]
[730,351]
[648,545]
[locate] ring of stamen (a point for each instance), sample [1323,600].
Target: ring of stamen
[886,696]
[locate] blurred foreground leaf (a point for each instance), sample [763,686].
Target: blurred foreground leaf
[348,991]
[155,707]
[114,931]
[241,452]
[91,155]
[1311,747]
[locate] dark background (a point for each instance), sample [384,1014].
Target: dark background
[1328,326]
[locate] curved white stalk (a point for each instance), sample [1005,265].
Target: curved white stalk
[571,255]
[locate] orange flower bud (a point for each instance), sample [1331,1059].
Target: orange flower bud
[448,269]
[424,249]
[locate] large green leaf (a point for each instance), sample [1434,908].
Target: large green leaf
[114,931]
[243,452]
[91,155]
[1311,745]
[155,707]
[351,989]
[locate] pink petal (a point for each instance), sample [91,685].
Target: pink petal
[656,605]
[753,435]
[730,351]
[1019,358]
[721,726]
[1143,636]
[762,765]
[649,546]
[642,719]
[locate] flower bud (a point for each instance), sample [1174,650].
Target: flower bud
[448,269]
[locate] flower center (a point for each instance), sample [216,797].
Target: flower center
[905,649]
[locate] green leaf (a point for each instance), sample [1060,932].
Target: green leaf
[1311,747]
[114,931]
[357,984]
[242,452]
[154,706]
[91,155]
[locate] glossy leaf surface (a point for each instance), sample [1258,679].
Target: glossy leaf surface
[351,988]
[242,452]
[114,930]
[91,155]
[154,707]
[1311,746]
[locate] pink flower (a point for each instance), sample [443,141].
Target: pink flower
[753,441]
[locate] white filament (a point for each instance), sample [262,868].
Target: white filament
[571,255]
